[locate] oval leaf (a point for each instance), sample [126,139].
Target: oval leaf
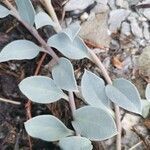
[75,143]
[43,19]
[18,50]
[41,89]
[124,94]
[26,11]
[94,123]
[47,127]
[73,50]
[72,31]
[63,75]
[93,90]
[147,92]
[4,11]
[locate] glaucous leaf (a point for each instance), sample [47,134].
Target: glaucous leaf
[47,127]
[4,11]
[75,143]
[18,50]
[93,90]
[72,49]
[26,11]
[72,30]
[41,89]
[147,92]
[124,94]
[145,108]
[43,19]
[63,75]
[94,123]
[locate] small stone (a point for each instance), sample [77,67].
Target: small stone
[112,4]
[144,63]
[126,29]
[146,13]
[120,3]
[96,30]
[84,16]
[116,18]
[100,8]
[146,32]
[135,28]
[77,4]
[129,121]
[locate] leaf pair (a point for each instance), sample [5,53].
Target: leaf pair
[69,44]
[42,89]
[122,93]
[90,122]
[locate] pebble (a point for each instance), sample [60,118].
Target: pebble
[146,32]
[126,29]
[135,28]
[116,18]
[96,30]
[77,4]
[144,63]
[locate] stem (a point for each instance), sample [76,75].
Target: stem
[32,30]
[48,5]
[50,9]
[98,62]
[72,103]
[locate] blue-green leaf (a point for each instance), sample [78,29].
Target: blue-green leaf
[93,90]
[47,127]
[94,123]
[145,108]
[75,143]
[4,11]
[63,75]
[18,50]
[41,89]
[43,19]
[124,94]
[147,92]
[26,11]
[72,49]
[72,31]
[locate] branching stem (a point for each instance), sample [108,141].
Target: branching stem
[95,59]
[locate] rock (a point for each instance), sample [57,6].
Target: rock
[120,3]
[96,30]
[146,32]
[144,63]
[77,4]
[135,28]
[116,18]
[100,8]
[112,4]
[126,29]
[129,121]
[146,13]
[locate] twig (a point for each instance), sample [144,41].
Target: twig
[136,145]
[98,62]
[9,101]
